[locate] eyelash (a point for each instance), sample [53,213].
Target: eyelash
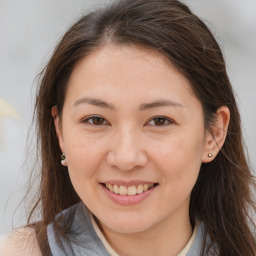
[163,120]
[166,121]
[91,119]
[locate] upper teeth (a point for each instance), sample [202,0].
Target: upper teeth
[130,191]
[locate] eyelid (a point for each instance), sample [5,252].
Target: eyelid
[170,121]
[86,120]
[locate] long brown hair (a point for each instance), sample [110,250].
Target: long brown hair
[222,195]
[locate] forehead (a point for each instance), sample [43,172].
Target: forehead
[127,71]
[125,56]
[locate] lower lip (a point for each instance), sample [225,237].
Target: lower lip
[128,200]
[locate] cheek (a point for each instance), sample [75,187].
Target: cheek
[84,155]
[179,175]
[179,149]
[179,160]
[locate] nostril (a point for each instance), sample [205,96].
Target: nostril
[126,161]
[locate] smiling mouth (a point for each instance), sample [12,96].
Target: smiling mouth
[130,190]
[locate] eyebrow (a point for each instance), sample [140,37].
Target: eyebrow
[145,106]
[95,102]
[160,103]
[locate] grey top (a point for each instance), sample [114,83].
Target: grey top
[83,240]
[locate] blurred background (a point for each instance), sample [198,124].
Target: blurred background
[30,29]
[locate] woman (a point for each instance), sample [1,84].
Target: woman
[140,141]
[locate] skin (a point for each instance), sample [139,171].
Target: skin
[130,145]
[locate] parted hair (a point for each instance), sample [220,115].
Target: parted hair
[223,194]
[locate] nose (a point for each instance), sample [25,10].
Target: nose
[126,151]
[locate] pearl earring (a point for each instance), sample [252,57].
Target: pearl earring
[210,155]
[63,159]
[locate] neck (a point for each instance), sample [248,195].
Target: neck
[167,238]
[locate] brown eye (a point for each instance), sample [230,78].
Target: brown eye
[160,121]
[95,120]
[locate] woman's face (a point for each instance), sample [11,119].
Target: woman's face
[132,124]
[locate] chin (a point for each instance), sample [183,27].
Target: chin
[127,226]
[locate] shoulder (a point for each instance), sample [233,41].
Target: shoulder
[21,242]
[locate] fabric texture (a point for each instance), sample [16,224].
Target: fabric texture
[83,240]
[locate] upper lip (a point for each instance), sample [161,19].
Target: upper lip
[128,183]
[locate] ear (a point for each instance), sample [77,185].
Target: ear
[57,124]
[216,137]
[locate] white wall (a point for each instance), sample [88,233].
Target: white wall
[28,32]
